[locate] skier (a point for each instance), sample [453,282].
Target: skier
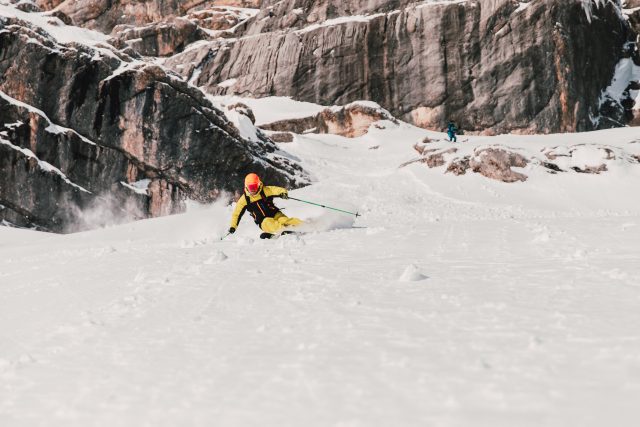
[451,131]
[258,200]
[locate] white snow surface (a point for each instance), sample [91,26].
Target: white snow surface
[625,73]
[54,26]
[453,301]
[271,109]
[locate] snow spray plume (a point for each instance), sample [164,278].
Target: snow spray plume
[328,220]
[210,219]
[104,211]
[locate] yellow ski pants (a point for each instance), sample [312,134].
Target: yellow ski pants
[278,222]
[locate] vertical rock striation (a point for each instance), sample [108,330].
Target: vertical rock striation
[491,65]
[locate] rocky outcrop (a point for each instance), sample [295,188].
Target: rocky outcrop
[217,18]
[433,158]
[497,162]
[244,110]
[88,124]
[158,39]
[104,15]
[429,62]
[562,159]
[171,35]
[494,163]
[634,16]
[283,137]
[458,166]
[35,191]
[350,121]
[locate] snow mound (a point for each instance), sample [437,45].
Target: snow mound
[412,274]
[216,258]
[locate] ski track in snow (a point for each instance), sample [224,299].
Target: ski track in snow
[453,301]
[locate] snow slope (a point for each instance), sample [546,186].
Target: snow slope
[453,301]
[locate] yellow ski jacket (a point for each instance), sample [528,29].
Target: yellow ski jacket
[260,206]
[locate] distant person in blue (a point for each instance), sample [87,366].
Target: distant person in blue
[451,131]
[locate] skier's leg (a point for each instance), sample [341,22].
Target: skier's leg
[455,138]
[271,225]
[286,221]
[292,222]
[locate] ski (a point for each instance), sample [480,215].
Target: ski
[275,236]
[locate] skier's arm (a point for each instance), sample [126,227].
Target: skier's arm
[241,207]
[273,191]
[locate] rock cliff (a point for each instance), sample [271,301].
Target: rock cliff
[426,62]
[491,65]
[87,124]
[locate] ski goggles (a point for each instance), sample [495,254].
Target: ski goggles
[253,188]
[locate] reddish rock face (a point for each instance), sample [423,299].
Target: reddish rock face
[48,4]
[426,63]
[215,19]
[104,15]
[158,39]
[282,137]
[496,164]
[431,63]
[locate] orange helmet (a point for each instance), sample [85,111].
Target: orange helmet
[252,183]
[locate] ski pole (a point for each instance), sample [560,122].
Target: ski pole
[326,207]
[225,236]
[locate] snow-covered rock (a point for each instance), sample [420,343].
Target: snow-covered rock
[497,161]
[105,15]
[352,120]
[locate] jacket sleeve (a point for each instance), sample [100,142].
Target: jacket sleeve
[273,191]
[241,207]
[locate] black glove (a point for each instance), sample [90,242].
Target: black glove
[232,230]
[285,195]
